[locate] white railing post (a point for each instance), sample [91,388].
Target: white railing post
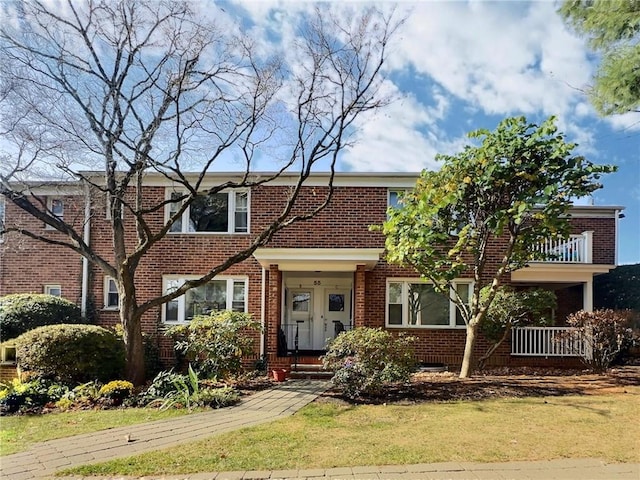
[588,246]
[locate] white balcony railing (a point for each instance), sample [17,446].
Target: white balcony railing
[575,249]
[547,342]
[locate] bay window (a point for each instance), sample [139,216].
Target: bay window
[222,212]
[221,293]
[413,303]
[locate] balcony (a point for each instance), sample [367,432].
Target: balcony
[575,249]
[547,342]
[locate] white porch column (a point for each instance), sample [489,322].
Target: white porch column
[588,246]
[587,295]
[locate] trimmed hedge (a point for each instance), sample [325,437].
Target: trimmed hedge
[71,353]
[22,312]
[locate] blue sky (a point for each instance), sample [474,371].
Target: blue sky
[460,66]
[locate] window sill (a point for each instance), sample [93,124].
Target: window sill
[427,327]
[207,233]
[111,309]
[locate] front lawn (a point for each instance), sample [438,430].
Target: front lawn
[19,432]
[332,434]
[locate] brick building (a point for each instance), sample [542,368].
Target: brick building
[313,280]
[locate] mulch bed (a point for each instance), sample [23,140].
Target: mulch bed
[501,383]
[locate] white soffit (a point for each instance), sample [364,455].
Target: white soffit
[559,272]
[318,259]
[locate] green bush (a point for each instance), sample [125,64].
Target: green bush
[365,359]
[218,397]
[116,391]
[28,396]
[215,344]
[71,353]
[22,312]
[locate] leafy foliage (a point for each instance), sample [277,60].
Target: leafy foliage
[71,353]
[364,359]
[116,390]
[514,308]
[511,189]
[17,395]
[171,390]
[22,312]
[215,344]
[606,333]
[613,29]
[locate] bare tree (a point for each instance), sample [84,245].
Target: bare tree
[104,92]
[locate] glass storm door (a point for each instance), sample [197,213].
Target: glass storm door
[301,319]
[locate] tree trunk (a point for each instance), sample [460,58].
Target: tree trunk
[467,360]
[134,347]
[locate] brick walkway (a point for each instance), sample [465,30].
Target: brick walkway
[43,459]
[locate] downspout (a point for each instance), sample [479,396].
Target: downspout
[263,298]
[85,262]
[615,247]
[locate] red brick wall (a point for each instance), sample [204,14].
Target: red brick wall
[27,265]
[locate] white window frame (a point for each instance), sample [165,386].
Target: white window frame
[405,281]
[231,214]
[3,354]
[49,287]
[107,291]
[180,279]
[50,211]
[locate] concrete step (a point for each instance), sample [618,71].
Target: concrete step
[310,374]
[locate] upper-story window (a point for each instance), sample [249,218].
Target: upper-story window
[222,212]
[413,303]
[394,197]
[56,207]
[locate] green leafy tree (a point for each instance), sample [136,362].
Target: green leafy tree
[613,29]
[619,289]
[505,194]
[513,308]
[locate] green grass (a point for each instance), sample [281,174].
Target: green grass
[324,435]
[18,433]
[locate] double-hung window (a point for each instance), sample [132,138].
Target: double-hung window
[111,295]
[222,212]
[221,293]
[413,303]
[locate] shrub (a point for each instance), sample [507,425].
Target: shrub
[215,344]
[218,397]
[116,391]
[364,359]
[511,309]
[71,353]
[605,333]
[17,395]
[22,312]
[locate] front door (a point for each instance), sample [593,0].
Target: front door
[301,319]
[316,312]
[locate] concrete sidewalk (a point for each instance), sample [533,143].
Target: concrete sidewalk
[43,459]
[586,469]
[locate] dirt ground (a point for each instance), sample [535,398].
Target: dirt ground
[505,383]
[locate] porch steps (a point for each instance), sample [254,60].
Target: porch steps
[310,371]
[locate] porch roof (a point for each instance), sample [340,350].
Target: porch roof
[318,259]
